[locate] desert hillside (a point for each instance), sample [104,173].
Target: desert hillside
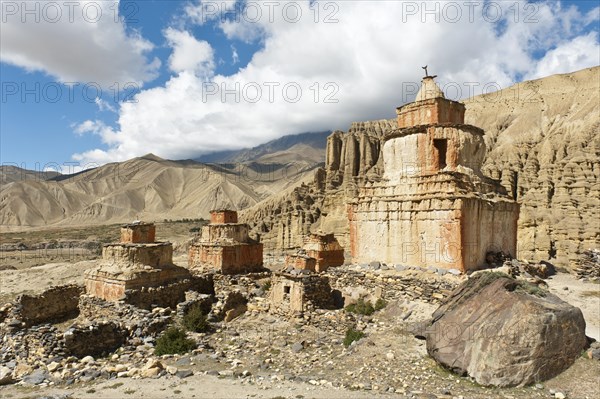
[147,188]
[544,145]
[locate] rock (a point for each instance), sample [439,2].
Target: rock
[37,377]
[150,373]
[389,356]
[593,354]
[517,334]
[560,395]
[375,265]
[87,360]
[542,270]
[455,272]
[53,366]
[153,363]
[184,373]
[171,370]
[6,376]
[297,347]
[184,361]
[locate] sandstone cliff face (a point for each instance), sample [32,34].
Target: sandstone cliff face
[543,145]
[281,222]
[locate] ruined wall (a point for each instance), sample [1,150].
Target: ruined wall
[53,305]
[300,294]
[301,262]
[487,227]
[225,232]
[451,233]
[138,233]
[143,295]
[94,339]
[224,216]
[409,285]
[154,255]
[112,283]
[229,259]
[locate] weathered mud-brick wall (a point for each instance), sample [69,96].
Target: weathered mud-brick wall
[226,246]
[153,254]
[301,262]
[325,249]
[229,259]
[223,216]
[53,305]
[300,293]
[138,233]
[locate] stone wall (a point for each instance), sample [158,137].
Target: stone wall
[93,339]
[292,294]
[406,285]
[53,305]
[169,295]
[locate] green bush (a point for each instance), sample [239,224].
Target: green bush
[380,304]
[195,320]
[361,307]
[531,289]
[351,336]
[266,286]
[173,341]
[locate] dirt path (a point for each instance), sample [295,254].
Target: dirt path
[584,295]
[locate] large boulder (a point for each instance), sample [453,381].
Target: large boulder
[505,332]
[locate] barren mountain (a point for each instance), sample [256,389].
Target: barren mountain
[309,147]
[147,188]
[10,173]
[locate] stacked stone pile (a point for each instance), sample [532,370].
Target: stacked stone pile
[588,266]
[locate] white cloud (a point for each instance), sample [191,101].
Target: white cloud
[104,105]
[235,58]
[98,128]
[579,53]
[368,61]
[189,54]
[82,41]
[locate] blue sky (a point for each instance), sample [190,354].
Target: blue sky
[183,78]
